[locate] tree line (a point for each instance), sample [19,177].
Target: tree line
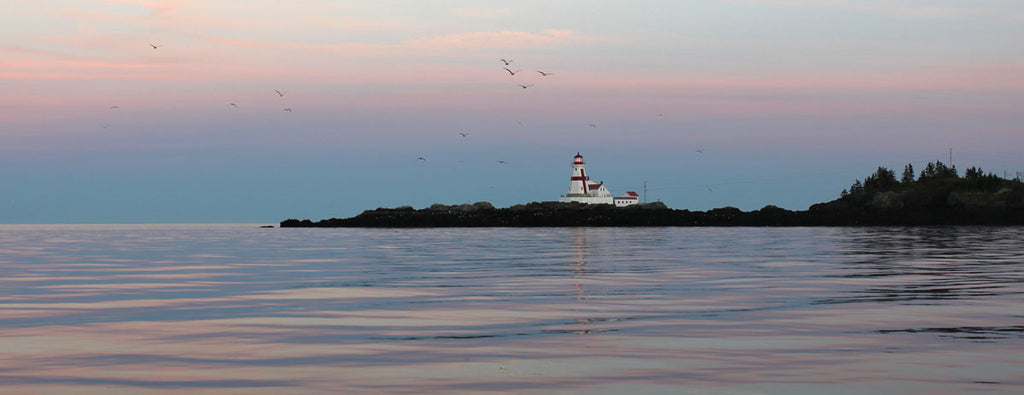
[935,174]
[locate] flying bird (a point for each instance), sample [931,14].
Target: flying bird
[155,46]
[524,86]
[593,125]
[506,62]
[288,109]
[543,74]
[233,105]
[501,161]
[114,107]
[700,150]
[510,72]
[463,134]
[709,189]
[422,159]
[279,93]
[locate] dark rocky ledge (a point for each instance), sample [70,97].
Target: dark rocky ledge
[657,214]
[938,197]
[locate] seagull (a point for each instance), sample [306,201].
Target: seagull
[422,159]
[593,125]
[524,86]
[543,74]
[155,46]
[105,125]
[501,161]
[233,105]
[709,189]
[506,62]
[114,107]
[279,93]
[288,109]
[510,72]
[463,134]
[700,150]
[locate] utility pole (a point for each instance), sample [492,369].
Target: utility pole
[645,191]
[950,157]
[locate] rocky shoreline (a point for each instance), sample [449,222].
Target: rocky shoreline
[555,214]
[940,197]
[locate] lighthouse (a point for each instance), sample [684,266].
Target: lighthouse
[583,190]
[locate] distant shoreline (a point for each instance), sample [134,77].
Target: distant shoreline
[555,214]
[938,197]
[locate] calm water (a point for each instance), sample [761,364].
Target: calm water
[237,309]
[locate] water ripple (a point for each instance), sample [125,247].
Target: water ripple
[234,308]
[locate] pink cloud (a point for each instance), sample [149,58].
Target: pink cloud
[155,7]
[919,9]
[347,47]
[476,40]
[500,40]
[972,76]
[80,69]
[482,12]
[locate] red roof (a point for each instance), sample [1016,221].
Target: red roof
[631,193]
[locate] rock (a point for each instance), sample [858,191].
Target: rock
[889,200]
[652,206]
[439,207]
[771,209]
[483,206]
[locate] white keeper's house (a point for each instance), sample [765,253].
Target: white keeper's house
[583,190]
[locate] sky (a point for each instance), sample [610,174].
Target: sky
[260,111]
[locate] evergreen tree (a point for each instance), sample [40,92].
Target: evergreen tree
[973,173]
[857,188]
[943,171]
[937,170]
[928,172]
[908,174]
[883,180]
[977,179]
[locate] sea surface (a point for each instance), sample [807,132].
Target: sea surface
[232,308]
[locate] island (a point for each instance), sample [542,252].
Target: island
[938,196]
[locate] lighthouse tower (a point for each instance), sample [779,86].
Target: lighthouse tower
[583,190]
[578,181]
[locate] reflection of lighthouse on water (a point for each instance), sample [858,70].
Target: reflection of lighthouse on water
[579,242]
[587,323]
